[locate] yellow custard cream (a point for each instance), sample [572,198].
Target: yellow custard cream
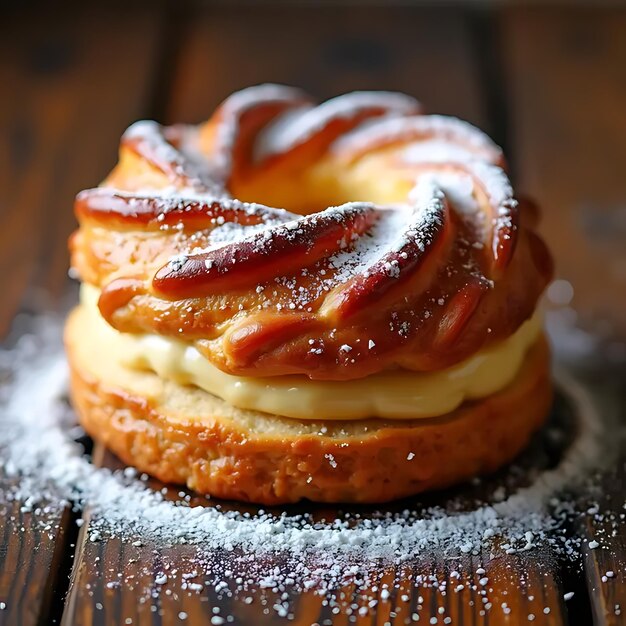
[389,395]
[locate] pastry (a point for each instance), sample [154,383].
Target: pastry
[374,337]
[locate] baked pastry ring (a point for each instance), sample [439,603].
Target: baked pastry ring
[425,268]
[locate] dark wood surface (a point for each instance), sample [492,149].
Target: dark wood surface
[565,88]
[550,85]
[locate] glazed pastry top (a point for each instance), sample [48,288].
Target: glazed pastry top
[399,244]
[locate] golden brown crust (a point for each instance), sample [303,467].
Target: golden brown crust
[184,435]
[427,258]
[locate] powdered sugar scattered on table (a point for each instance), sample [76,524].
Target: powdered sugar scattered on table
[38,451]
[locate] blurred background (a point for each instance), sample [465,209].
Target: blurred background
[546,80]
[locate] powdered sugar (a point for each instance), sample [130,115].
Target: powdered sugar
[147,139]
[451,154]
[38,450]
[458,189]
[51,457]
[384,250]
[453,136]
[370,248]
[236,106]
[295,127]
[435,151]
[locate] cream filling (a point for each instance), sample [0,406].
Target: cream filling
[399,394]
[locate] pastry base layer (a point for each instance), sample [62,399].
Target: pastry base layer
[187,436]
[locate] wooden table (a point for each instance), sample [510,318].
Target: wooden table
[547,84]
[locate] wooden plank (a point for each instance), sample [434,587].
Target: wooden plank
[568,94]
[76,81]
[35,535]
[604,545]
[73,82]
[605,563]
[328,50]
[33,545]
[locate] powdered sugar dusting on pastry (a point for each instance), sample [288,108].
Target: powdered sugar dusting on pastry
[396,227]
[271,141]
[442,136]
[369,248]
[147,139]
[457,187]
[296,127]
[435,151]
[237,105]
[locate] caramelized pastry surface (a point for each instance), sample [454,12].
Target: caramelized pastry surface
[400,244]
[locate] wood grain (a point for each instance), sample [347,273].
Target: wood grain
[328,50]
[602,527]
[567,93]
[74,82]
[605,565]
[34,544]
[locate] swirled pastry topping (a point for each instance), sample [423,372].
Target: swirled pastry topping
[400,243]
